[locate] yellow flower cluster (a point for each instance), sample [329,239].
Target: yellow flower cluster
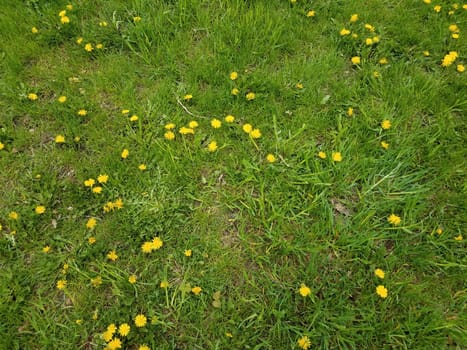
[449,58]
[150,246]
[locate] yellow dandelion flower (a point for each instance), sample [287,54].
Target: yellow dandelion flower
[311,13]
[460,68]
[32,96]
[46,249]
[13,215]
[350,112]
[103,178]
[322,155]
[188,252]
[82,112]
[107,336]
[97,189]
[134,118]
[61,284]
[59,139]
[88,47]
[427,1]
[459,238]
[65,20]
[250,96]
[188,97]
[369,27]
[132,279]
[383,60]
[229,118]
[255,133]
[79,41]
[247,128]
[337,156]
[375,39]
[2,146]
[91,240]
[40,209]
[147,247]
[91,223]
[144,347]
[437,8]
[382,291]
[89,182]
[112,255]
[185,131]
[344,32]
[97,281]
[193,124]
[164,284]
[233,76]
[304,343]
[157,243]
[124,329]
[439,230]
[235,91]
[212,146]
[355,60]
[353,18]
[386,124]
[216,123]
[379,273]
[196,290]
[114,344]
[62,99]
[140,320]
[34,30]
[136,19]
[394,219]
[304,290]
[384,144]
[169,135]
[142,167]
[118,203]
[426,53]
[369,41]
[125,153]
[103,24]
[271,158]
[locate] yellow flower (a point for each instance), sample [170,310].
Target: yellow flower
[229,118]
[382,291]
[383,60]
[164,284]
[216,123]
[188,252]
[426,53]
[169,135]
[350,112]
[144,347]
[97,189]
[193,124]
[304,343]
[103,178]
[386,124]
[255,134]
[196,290]
[118,203]
[79,321]
[2,146]
[124,329]
[187,97]
[32,96]
[157,243]
[132,279]
[133,118]
[455,35]
[136,19]
[247,128]
[91,240]
[394,219]
[337,156]
[384,144]
[212,146]
[13,215]
[59,139]
[125,153]
[454,28]
[233,75]
[142,167]
[107,336]
[61,284]
[140,320]
[64,20]
[375,39]
[459,238]
[235,91]
[89,182]
[379,273]
[460,68]
[82,112]
[250,96]
[34,30]
[62,13]
[91,223]
[271,158]
[427,1]
[304,290]
[69,7]
[88,47]
[185,131]
[40,209]
[369,27]
[369,41]
[322,155]
[311,13]
[439,230]
[344,32]
[354,18]
[103,24]
[97,281]
[355,60]
[79,41]
[147,247]
[376,74]
[115,344]
[46,249]
[437,8]
[112,255]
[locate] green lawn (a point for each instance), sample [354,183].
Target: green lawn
[231,174]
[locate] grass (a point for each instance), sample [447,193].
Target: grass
[257,230]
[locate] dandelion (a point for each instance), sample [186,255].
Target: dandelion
[228,335]
[188,252]
[376,74]
[40,209]
[375,39]
[13,215]
[185,131]
[157,243]
[97,189]
[233,76]
[89,182]
[427,1]
[97,281]
[337,156]
[459,238]
[169,135]
[62,99]
[369,41]
[394,219]
[386,124]
[115,344]
[350,112]
[82,112]
[304,343]
[193,124]
[142,167]
[304,290]
[455,35]
[311,13]
[344,32]
[88,47]
[250,96]
[216,123]
[196,290]
[229,118]
[136,19]
[449,58]
[59,139]
[187,97]
[107,336]
[460,68]
[61,284]
[355,60]
[124,329]
[255,134]
[299,86]
[147,247]
[2,146]
[125,153]
[212,146]
[426,53]
[112,255]
[369,27]
[454,28]
[32,96]
[46,249]
[102,178]
[384,144]
[235,91]
[118,203]
[144,347]
[34,30]
[79,41]
[164,284]
[140,320]
[379,273]
[91,223]
[382,291]
[65,20]
[91,240]
[353,18]
[134,118]
[322,155]
[383,61]
[439,230]
[437,8]
[132,279]
[271,158]
[247,128]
